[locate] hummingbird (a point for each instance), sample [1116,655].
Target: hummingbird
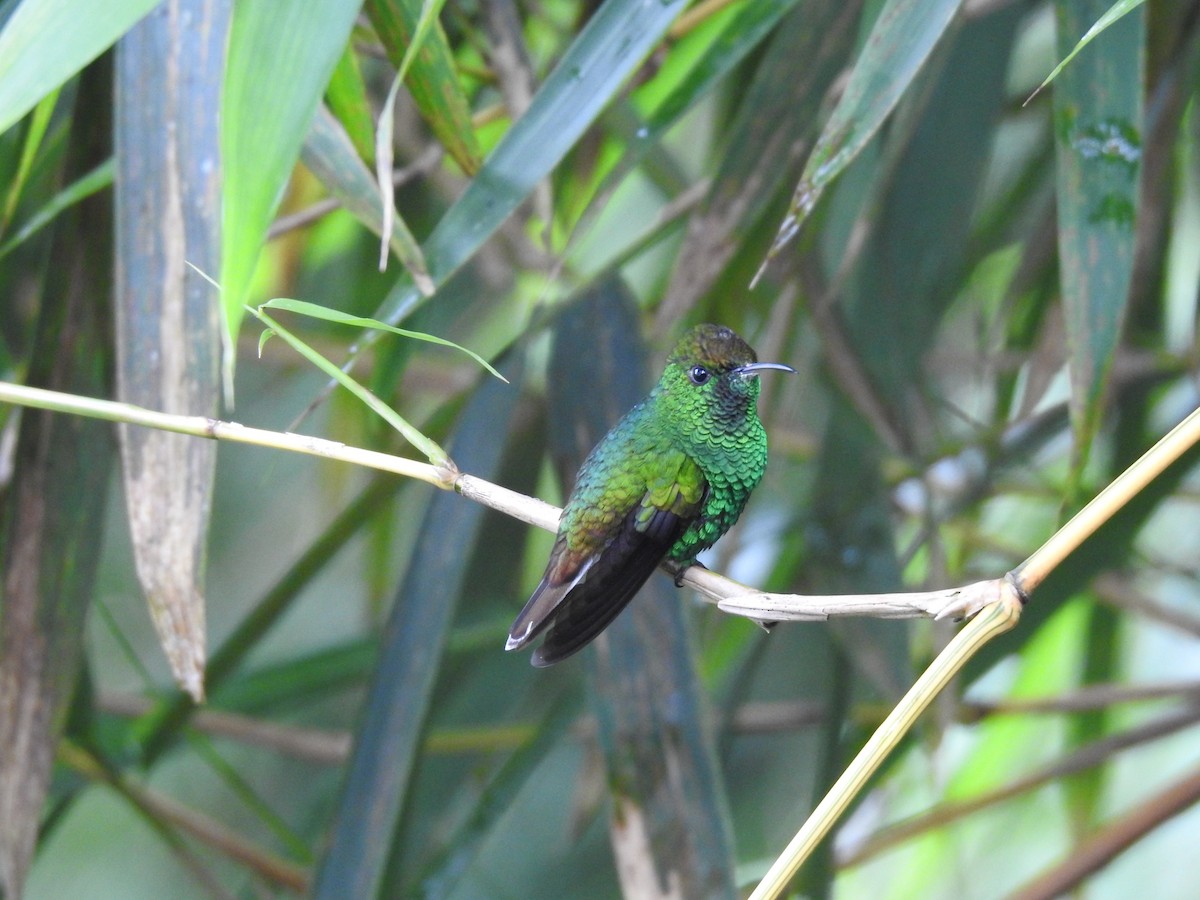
[670,478]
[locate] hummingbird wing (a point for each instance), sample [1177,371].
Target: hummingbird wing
[581,593]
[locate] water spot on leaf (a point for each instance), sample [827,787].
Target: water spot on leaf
[1111,140]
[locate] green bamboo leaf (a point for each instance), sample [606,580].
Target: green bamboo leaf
[1098,137]
[703,67]
[430,10]
[899,43]
[383,171]
[419,50]
[329,154]
[435,454]
[333,315]
[776,114]
[347,99]
[397,707]
[744,31]
[610,47]
[383,138]
[908,277]
[98,179]
[38,123]
[1114,12]
[280,60]
[45,42]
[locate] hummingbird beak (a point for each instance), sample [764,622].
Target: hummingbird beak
[754,368]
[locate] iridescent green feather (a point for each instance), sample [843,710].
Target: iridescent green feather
[669,479]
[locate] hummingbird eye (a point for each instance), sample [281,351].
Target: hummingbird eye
[699,374]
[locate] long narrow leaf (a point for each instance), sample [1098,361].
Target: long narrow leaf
[430,74]
[1098,134]
[45,42]
[333,315]
[330,155]
[1110,17]
[87,184]
[435,454]
[901,40]
[54,504]
[281,57]
[168,327]
[776,110]
[348,101]
[590,75]
[38,123]
[397,705]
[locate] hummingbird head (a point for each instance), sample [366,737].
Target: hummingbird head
[712,375]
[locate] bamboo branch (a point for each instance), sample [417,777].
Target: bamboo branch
[729,595]
[1000,600]
[215,429]
[996,619]
[1086,757]
[1104,505]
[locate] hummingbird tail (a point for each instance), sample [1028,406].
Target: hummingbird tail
[615,577]
[536,615]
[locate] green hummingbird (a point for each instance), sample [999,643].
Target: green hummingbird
[670,478]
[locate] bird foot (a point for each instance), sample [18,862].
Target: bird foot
[682,570]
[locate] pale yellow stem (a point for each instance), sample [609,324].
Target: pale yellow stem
[996,619]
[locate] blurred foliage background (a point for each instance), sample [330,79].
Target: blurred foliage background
[992,302]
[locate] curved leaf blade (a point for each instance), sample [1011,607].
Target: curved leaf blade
[775,115]
[333,315]
[1115,12]
[281,58]
[77,191]
[435,454]
[429,72]
[54,503]
[899,44]
[348,101]
[330,154]
[45,42]
[397,706]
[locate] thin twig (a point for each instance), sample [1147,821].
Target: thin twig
[727,594]
[164,810]
[1093,696]
[328,747]
[215,429]
[732,597]
[1086,757]
[1100,849]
